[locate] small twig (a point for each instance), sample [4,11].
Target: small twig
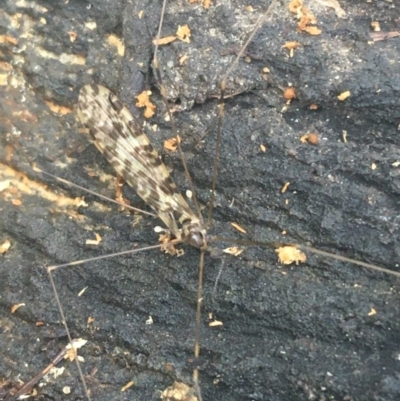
[27,387]
[377,36]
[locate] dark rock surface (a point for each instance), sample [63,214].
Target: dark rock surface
[306,332]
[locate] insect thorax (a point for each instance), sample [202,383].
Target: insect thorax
[194,234]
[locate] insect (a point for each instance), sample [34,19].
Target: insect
[120,138]
[321,309]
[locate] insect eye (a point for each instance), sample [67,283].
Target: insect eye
[197,239]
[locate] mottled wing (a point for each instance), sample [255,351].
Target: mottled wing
[117,135]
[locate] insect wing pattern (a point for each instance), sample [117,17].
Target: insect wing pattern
[117,134]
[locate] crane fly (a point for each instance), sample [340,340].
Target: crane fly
[121,139]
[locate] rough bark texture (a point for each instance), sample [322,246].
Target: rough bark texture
[306,332]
